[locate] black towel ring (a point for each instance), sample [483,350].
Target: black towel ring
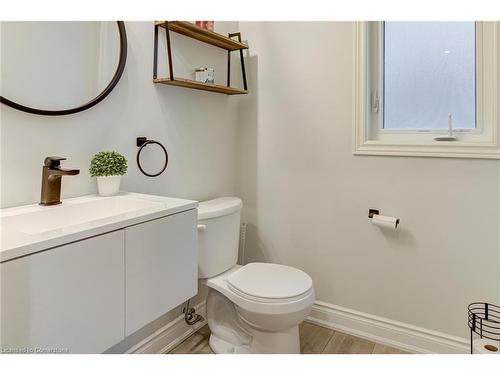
[143,142]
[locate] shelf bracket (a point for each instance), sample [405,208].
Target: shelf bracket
[155,54]
[169,52]
[243,73]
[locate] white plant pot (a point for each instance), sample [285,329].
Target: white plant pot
[108,185]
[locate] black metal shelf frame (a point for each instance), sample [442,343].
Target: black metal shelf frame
[169,55]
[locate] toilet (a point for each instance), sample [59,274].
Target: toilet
[255,308]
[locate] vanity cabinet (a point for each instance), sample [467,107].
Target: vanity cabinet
[86,296]
[161,267]
[68,298]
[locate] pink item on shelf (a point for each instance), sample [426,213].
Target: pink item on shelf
[207,25]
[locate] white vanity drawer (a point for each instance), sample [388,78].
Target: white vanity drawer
[66,298]
[161,267]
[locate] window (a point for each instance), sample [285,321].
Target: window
[427,89]
[425,61]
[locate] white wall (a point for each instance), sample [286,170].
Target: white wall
[306,197]
[197,128]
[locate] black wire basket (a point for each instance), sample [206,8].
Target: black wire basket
[484,321]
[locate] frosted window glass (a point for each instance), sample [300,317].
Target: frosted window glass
[429,71]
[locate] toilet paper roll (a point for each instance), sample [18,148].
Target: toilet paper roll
[385,221]
[485,346]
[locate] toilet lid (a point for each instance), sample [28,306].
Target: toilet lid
[218,207]
[273,281]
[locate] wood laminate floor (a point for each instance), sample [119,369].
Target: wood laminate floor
[313,340]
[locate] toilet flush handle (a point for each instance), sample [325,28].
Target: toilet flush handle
[202,227]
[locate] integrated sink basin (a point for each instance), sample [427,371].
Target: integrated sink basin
[39,219]
[27,229]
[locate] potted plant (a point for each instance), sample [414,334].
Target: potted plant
[108,167]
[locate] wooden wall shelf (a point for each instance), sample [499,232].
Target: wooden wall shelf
[189,83]
[195,32]
[191,30]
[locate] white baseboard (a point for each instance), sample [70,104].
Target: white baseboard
[170,335]
[385,331]
[374,328]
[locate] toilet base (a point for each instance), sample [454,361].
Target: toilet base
[219,346]
[283,342]
[232,334]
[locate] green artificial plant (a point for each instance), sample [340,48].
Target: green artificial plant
[108,163]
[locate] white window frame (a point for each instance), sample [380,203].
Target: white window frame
[370,139]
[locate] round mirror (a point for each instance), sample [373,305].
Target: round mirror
[58,68]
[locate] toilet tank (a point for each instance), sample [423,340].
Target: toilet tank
[218,235]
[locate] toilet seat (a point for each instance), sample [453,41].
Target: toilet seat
[259,304]
[268,300]
[270,283]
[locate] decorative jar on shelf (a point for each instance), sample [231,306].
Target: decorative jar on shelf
[207,25]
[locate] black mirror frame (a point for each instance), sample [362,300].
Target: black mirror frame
[93,102]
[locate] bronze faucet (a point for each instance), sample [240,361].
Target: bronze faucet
[51,180]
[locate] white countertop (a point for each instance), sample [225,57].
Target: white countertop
[28,229]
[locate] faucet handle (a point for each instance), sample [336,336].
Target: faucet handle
[53,161]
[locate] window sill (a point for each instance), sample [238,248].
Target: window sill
[454,149]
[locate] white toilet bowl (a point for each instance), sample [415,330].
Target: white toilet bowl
[254,308]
